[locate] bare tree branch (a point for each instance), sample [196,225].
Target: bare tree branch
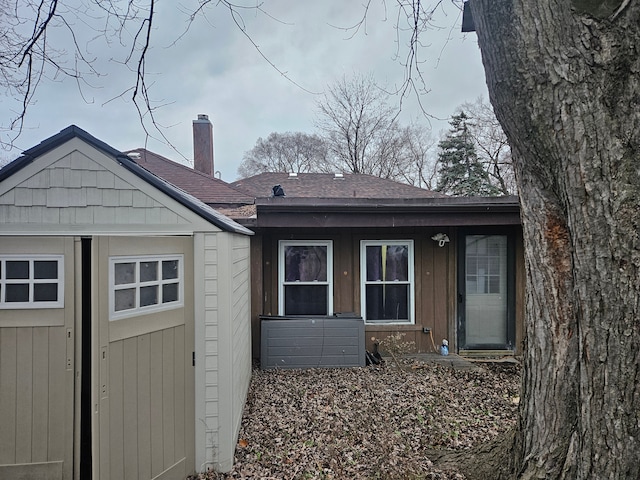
[28,53]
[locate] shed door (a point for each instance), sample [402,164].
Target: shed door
[36,358]
[144,359]
[486,285]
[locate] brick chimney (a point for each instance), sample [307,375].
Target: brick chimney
[203,145]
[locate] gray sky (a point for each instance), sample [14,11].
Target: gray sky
[214,69]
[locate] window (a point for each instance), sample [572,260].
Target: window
[34,281]
[386,270]
[140,285]
[486,264]
[305,278]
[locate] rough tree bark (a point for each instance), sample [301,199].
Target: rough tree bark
[564,80]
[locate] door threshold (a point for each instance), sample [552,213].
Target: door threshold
[494,354]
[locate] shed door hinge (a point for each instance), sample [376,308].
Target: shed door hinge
[193,359]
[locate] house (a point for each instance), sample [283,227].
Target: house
[124,319]
[463,257]
[405,259]
[462,264]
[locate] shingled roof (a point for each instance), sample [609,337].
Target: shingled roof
[206,188]
[328,185]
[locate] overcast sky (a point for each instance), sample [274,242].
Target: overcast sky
[214,69]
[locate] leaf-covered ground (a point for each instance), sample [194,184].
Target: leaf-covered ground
[377,422]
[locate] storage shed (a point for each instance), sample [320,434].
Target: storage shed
[124,319]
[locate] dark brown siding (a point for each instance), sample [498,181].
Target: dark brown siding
[435,280]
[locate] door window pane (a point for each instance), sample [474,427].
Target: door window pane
[125,299]
[125,273]
[148,296]
[17,269]
[45,270]
[170,293]
[45,292]
[17,292]
[148,271]
[169,269]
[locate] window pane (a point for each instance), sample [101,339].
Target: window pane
[305,300]
[397,262]
[148,296]
[17,292]
[494,284]
[45,269]
[472,284]
[481,243]
[472,265]
[170,293]
[17,269]
[148,271]
[45,292]
[305,263]
[125,299]
[387,302]
[125,273]
[169,269]
[483,263]
[374,264]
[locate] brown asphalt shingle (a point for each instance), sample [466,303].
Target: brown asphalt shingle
[206,188]
[328,185]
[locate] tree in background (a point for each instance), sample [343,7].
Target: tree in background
[421,165]
[285,152]
[361,128]
[358,133]
[460,172]
[492,145]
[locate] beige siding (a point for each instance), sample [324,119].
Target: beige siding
[146,382]
[75,186]
[146,404]
[241,328]
[36,379]
[208,424]
[225,311]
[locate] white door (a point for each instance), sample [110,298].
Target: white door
[486,293]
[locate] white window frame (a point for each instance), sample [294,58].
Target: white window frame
[31,281]
[363,281]
[282,244]
[137,310]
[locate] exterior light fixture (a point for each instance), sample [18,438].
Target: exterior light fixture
[441,238]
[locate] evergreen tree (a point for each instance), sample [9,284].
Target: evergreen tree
[461,172]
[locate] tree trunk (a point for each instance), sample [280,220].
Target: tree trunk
[564,81]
